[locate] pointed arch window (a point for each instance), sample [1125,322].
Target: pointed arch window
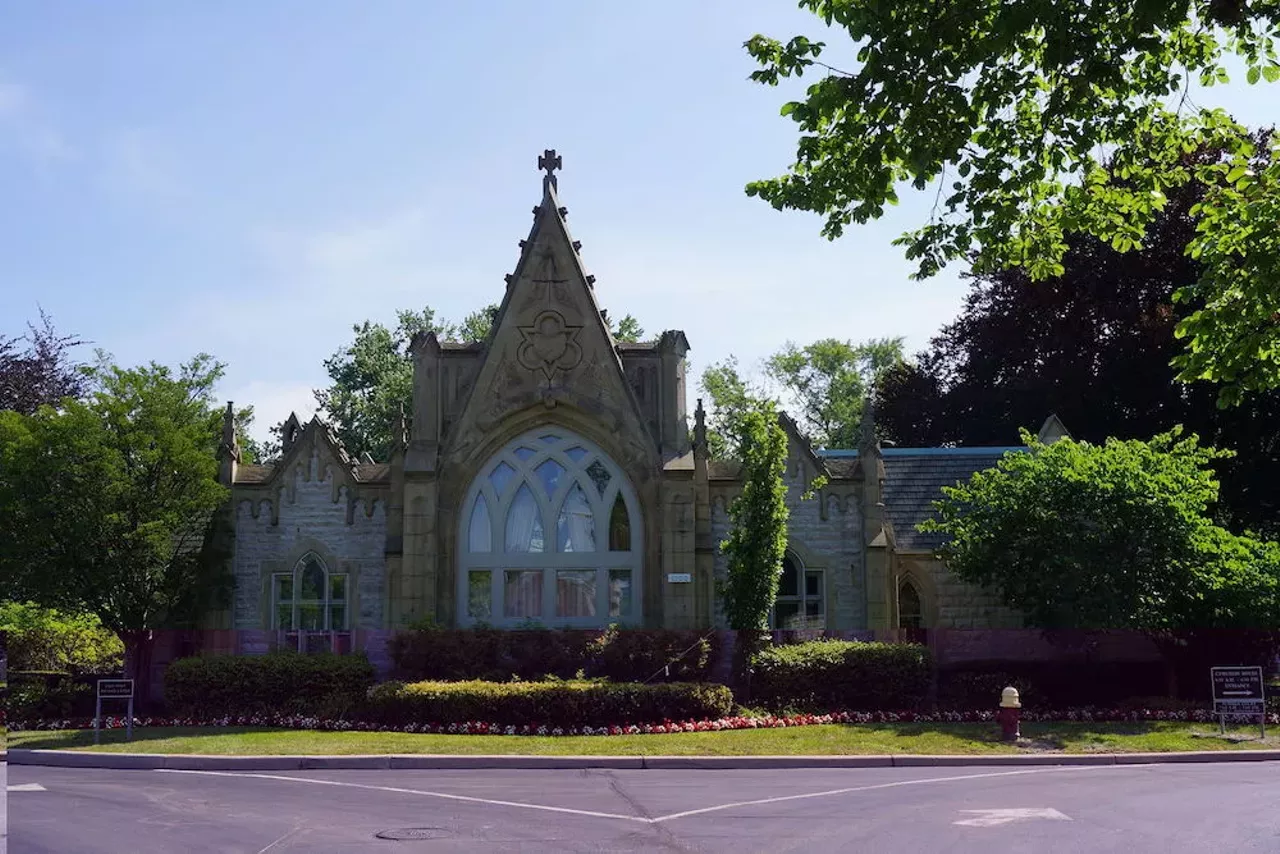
[311,598]
[910,608]
[801,603]
[549,535]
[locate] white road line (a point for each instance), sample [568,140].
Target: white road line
[658,819]
[25,787]
[893,785]
[444,795]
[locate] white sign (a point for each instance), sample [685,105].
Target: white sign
[990,818]
[679,577]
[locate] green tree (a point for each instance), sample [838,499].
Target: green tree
[1035,120]
[628,330]
[732,397]
[108,503]
[757,538]
[829,381]
[1112,536]
[371,378]
[48,639]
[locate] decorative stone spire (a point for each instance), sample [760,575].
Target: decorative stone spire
[867,440]
[700,430]
[550,162]
[400,430]
[228,448]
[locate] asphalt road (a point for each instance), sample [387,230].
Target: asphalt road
[1131,809]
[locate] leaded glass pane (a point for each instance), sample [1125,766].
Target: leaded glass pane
[813,584]
[284,588]
[789,583]
[576,453]
[576,526]
[338,617]
[549,473]
[284,617]
[480,531]
[480,594]
[524,523]
[311,617]
[619,527]
[576,593]
[549,439]
[787,616]
[599,475]
[338,588]
[524,454]
[522,594]
[501,476]
[619,593]
[311,582]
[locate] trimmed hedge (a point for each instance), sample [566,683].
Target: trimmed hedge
[281,682]
[836,675]
[47,694]
[552,704]
[621,655]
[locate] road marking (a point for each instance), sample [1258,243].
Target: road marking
[893,785]
[658,819]
[25,787]
[423,792]
[991,818]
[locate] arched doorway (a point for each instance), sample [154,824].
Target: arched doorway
[550,535]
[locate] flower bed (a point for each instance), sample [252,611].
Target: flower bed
[718,725]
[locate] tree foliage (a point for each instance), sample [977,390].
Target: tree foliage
[38,368]
[1112,536]
[827,380]
[1093,346]
[107,503]
[48,639]
[757,538]
[371,379]
[1035,120]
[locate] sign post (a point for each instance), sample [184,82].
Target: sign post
[1238,691]
[113,689]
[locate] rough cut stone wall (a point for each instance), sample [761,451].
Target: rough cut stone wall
[310,519]
[957,604]
[833,544]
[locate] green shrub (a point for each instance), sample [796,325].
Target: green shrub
[43,694]
[624,655]
[635,655]
[967,690]
[551,703]
[835,675]
[47,639]
[325,685]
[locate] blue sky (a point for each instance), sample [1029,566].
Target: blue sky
[250,179]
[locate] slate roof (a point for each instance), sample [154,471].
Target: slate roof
[913,479]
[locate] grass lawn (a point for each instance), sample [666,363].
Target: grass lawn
[836,739]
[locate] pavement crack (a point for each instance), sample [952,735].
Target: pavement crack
[616,785]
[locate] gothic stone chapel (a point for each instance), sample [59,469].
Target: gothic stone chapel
[549,477]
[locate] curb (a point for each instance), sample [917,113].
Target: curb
[191,762]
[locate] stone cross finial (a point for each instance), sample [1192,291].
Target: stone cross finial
[550,161]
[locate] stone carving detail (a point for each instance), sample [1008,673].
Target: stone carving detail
[550,345]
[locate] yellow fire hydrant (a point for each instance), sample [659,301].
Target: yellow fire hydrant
[1010,714]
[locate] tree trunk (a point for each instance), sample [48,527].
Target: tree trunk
[138,646]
